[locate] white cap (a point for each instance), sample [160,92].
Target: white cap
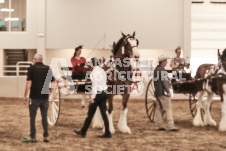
[162,58]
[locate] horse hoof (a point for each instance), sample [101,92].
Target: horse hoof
[198,122]
[222,126]
[210,123]
[124,129]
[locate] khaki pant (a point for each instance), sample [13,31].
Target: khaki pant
[167,108]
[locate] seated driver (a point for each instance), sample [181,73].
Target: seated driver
[78,63]
[177,64]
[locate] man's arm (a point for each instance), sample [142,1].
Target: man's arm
[166,87]
[27,88]
[165,83]
[174,66]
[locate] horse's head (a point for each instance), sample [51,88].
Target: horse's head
[222,58]
[131,43]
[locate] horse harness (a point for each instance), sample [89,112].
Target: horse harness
[214,72]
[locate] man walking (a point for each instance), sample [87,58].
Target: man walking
[39,77]
[98,98]
[162,93]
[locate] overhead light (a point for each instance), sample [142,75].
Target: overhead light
[7,10]
[12,19]
[2,1]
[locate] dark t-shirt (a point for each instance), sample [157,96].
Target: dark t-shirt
[37,73]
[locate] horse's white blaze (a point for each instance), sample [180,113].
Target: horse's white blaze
[133,43]
[207,117]
[97,119]
[122,124]
[222,126]
[123,50]
[111,126]
[197,121]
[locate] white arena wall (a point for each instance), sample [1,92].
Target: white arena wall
[65,24]
[158,24]
[1,61]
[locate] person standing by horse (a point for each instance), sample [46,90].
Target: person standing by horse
[162,93]
[39,77]
[98,99]
[78,63]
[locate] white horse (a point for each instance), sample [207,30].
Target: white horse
[216,83]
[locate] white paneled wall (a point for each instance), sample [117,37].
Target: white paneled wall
[159,24]
[208,32]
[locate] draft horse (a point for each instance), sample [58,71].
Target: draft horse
[215,82]
[119,80]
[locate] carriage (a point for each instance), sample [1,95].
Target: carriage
[65,86]
[188,87]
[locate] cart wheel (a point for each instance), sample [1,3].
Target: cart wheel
[150,101]
[192,102]
[54,106]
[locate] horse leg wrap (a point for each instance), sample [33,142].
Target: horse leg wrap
[122,124]
[97,119]
[197,121]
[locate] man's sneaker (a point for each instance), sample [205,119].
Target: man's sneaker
[174,130]
[45,139]
[161,129]
[33,140]
[80,133]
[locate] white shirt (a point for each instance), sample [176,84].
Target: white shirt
[99,80]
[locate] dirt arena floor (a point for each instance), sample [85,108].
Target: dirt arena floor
[14,125]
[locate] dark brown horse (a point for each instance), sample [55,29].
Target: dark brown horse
[120,79]
[215,83]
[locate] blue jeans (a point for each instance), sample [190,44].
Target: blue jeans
[34,104]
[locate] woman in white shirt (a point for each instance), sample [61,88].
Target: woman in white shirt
[98,98]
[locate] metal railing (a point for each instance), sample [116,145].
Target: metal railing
[20,67]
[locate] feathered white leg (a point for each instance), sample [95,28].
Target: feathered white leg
[197,121]
[222,126]
[208,120]
[111,126]
[122,124]
[97,119]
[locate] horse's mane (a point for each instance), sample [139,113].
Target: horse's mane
[116,46]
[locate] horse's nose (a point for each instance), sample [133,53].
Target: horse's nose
[136,56]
